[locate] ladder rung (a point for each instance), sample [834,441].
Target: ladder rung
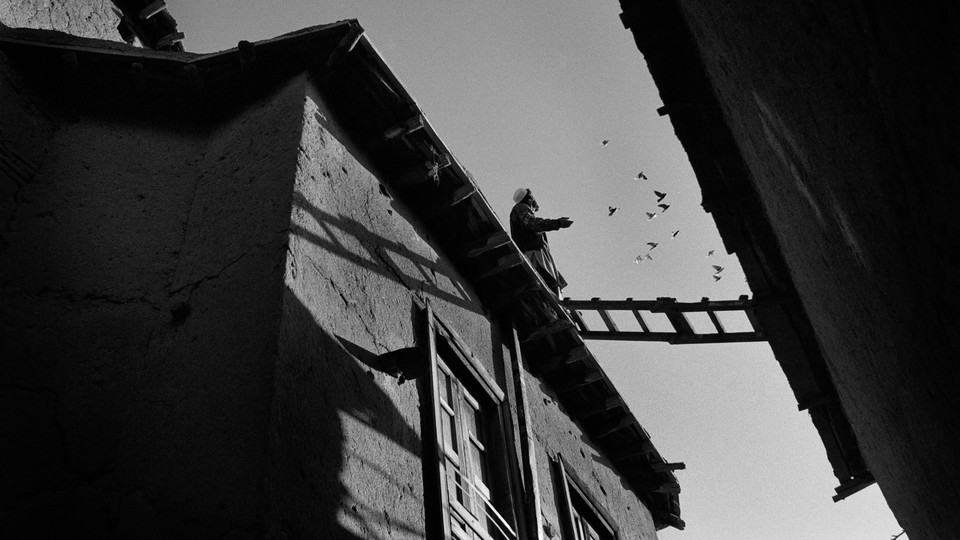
[643,323]
[716,322]
[608,321]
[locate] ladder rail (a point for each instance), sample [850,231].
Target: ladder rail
[675,313]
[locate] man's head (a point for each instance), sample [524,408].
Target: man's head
[525,196]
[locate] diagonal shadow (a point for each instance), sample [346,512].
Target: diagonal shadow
[382,255]
[320,383]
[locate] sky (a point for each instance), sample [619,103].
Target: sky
[523,93]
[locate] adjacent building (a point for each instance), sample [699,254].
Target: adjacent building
[824,136]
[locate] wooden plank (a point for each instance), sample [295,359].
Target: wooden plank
[597,407]
[632,451]
[578,381]
[412,124]
[555,327]
[508,297]
[851,486]
[668,487]
[493,241]
[152,9]
[575,355]
[663,467]
[673,337]
[169,39]
[660,304]
[503,264]
[624,423]
[435,490]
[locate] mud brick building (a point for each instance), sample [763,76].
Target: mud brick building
[825,138]
[252,294]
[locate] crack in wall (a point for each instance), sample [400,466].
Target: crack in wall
[63,294]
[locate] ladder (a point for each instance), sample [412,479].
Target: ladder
[675,312]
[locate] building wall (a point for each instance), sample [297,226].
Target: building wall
[346,436]
[142,276]
[86,18]
[556,434]
[847,119]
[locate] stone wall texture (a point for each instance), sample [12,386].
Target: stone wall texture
[85,18]
[846,115]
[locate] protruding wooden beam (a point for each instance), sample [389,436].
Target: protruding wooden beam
[672,520]
[344,46]
[504,263]
[152,9]
[638,449]
[663,467]
[578,381]
[412,124]
[624,423]
[853,485]
[597,407]
[578,354]
[556,327]
[490,243]
[169,39]
[668,487]
[817,401]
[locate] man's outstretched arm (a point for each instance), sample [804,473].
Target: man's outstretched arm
[532,222]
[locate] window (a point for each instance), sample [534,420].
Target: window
[474,481]
[584,518]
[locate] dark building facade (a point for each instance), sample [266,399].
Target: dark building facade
[824,136]
[252,294]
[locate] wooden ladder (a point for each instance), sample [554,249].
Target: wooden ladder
[675,312]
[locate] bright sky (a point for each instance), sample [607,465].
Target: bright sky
[523,93]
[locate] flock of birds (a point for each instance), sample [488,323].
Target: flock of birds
[663,207]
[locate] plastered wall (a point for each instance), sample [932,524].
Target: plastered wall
[556,434]
[141,287]
[346,438]
[86,18]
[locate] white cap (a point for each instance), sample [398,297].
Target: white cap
[519,194]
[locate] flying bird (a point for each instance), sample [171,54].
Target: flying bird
[641,176]
[675,233]
[652,244]
[710,253]
[717,277]
[664,206]
[611,209]
[717,268]
[660,195]
[640,258]
[651,216]
[604,143]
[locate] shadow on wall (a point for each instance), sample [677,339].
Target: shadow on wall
[385,257]
[323,482]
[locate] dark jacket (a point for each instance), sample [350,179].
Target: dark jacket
[528,230]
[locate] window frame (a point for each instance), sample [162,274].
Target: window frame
[481,392]
[572,490]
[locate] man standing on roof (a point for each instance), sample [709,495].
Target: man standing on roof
[529,233]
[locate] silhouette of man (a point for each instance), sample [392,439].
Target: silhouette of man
[529,233]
